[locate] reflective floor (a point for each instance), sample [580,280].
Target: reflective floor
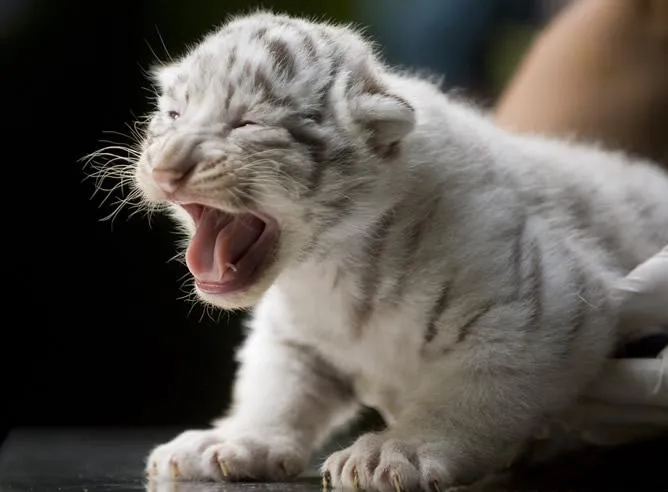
[99,460]
[111,460]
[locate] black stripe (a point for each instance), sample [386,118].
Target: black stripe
[232,60]
[317,143]
[436,312]
[284,58]
[579,317]
[371,272]
[536,282]
[311,136]
[309,46]
[231,88]
[260,34]
[527,259]
[340,384]
[413,240]
[337,278]
[262,82]
[465,329]
[518,253]
[363,81]
[308,43]
[306,134]
[316,149]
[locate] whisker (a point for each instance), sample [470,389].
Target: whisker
[178,257]
[153,53]
[164,46]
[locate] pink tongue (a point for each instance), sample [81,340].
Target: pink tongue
[220,241]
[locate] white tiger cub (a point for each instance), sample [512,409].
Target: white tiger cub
[400,252]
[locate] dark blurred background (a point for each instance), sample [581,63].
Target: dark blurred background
[95,330]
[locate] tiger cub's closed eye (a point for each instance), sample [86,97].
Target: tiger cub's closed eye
[243,123]
[173,115]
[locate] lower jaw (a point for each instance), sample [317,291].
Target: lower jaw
[216,289]
[239,297]
[228,288]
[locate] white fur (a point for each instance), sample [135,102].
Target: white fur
[456,409]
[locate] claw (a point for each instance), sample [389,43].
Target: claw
[356,479]
[224,469]
[326,481]
[433,485]
[396,483]
[174,468]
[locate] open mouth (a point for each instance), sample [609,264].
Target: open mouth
[229,251]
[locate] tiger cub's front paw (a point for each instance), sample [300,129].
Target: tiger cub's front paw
[221,455]
[386,463]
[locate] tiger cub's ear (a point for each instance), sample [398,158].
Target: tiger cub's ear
[387,118]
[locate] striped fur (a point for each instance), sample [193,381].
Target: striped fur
[452,275]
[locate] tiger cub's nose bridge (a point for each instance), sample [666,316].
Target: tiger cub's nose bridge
[174,161]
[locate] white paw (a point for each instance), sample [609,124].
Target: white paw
[219,455]
[379,462]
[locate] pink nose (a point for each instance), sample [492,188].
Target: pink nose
[174,162]
[169,179]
